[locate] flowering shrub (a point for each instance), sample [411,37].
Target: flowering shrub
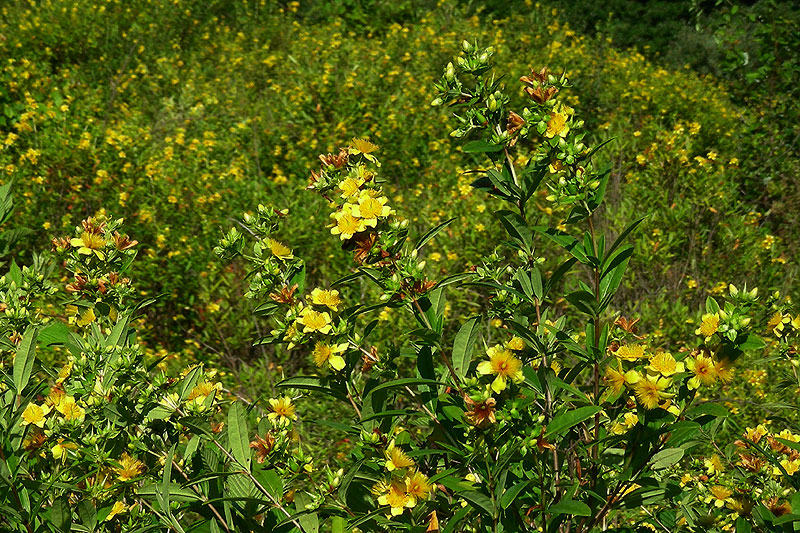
[538,407]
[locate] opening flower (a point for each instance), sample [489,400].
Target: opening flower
[557,125]
[283,410]
[326,353]
[663,363]
[504,365]
[708,326]
[720,495]
[279,250]
[397,459]
[630,352]
[329,298]
[71,410]
[315,321]
[417,486]
[35,414]
[397,498]
[615,380]
[704,371]
[129,467]
[89,243]
[650,391]
[346,224]
[369,209]
[350,187]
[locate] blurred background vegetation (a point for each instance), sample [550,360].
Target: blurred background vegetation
[180,116]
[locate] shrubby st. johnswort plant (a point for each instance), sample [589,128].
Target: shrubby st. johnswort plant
[539,408]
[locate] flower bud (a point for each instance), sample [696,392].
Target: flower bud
[450,72]
[436,102]
[466,46]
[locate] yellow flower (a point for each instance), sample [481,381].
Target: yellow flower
[615,380]
[704,371]
[118,508]
[650,391]
[315,321]
[346,224]
[329,299]
[663,363]
[89,243]
[362,146]
[417,486]
[64,373]
[35,414]
[396,498]
[60,449]
[350,187]
[283,410]
[369,209]
[279,250]
[557,125]
[630,352]
[720,495]
[708,326]
[86,318]
[516,344]
[71,410]
[129,467]
[325,353]
[714,465]
[502,364]
[397,459]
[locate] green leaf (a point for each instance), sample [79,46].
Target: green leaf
[464,344]
[61,514]
[432,233]
[570,507]
[666,458]
[584,301]
[566,241]
[517,229]
[310,383]
[404,382]
[479,500]
[238,434]
[54,333]
[752,342]
[511,494]
[480,146]
[619,240]
[23,360]
[571,418]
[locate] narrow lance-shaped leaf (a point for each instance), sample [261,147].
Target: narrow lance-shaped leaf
[238,435]
[463,346]
[23,360]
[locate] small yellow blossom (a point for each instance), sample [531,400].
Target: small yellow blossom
[329,298]
[502,364]
[663,363]
[35,414]
[650,391]
[631,352]
[129,467]
[315,321]
[279,250]
[397,459]
[325,353]
[282,410]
